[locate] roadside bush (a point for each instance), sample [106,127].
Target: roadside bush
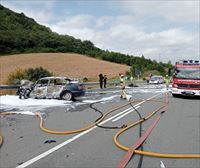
[31,74]
[85,79]
[15,77]
[35,74]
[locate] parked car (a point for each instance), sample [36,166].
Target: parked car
[156,80]
[56,88]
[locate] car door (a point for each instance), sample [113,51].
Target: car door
[40,89]
[55,87]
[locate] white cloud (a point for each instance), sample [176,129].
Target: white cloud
[128,33]
[40,11]
[178,11]
[76,21]
[103,21]
[77,26]
[127,38]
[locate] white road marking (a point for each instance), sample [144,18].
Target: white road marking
[131,110]
[135,105]
[35,159]
[118,114]
[162,164]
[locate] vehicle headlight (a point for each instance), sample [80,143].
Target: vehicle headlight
[174,85]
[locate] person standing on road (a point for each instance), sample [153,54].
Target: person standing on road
[101,80]
[167,80]
[123,86]
[105,81]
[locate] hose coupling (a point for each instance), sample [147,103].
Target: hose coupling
[123,126]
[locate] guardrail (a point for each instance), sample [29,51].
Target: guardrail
[2,87]
[97,83]
[6,87]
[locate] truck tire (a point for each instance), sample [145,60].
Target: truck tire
[175,95]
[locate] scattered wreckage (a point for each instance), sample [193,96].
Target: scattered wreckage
[51,88]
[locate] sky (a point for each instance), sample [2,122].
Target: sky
[159,30]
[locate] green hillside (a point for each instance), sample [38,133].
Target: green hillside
[20,34]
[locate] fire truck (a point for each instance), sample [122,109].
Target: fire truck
[186,78]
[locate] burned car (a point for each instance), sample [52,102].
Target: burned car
[53,88]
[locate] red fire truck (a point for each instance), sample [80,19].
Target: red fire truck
[186,78]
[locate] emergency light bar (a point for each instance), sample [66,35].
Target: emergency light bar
[188,62]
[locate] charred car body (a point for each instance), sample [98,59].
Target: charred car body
[53,88]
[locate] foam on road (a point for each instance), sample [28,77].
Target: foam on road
[29,106]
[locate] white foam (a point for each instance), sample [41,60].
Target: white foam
[30,106]
[24,112]
[12,102]
[100,100]
[128,97]
[15,101]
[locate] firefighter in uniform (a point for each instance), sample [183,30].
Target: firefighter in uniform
[167,80]
[123,85]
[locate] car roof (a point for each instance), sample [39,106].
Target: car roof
[54,77]
[157,76]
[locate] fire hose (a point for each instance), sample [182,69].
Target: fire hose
[1,140]
[81,129]
[153,154]
[99,120]
[140,141]
[3,114]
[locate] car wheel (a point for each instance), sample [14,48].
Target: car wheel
[67,96]
[27,93]
[23,93]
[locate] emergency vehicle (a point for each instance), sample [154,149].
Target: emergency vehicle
[186,78]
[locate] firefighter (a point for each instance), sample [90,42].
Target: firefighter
[167,80]
[123,85]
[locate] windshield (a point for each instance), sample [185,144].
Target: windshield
[187,73]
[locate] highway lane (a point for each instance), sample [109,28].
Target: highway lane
[177,132]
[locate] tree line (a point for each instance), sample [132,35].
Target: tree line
[20,34]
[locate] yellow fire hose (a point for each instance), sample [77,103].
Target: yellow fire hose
[152,154]
[4,113]
[81,129]
[1,140]
[117,134]
[73,131]
[89,126]
[66,132]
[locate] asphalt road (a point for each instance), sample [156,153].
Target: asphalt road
[178,131]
